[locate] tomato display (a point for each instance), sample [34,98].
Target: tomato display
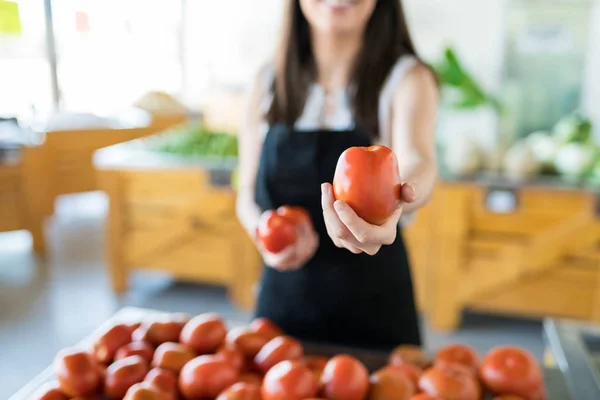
[232,355]
[163,379]
[390,384]
[206,376]
[142,349]
[106,345]
[123,374]
[204,333]
[159,330]
[279,349]
[345,378]
[424,396]
[172,356]
[241,391]
[368,180]
[512,370]
[265,327]
[50,391]
[451,382]
[408,354]
[411,371]
[458,354]
[76,372]
[316,364]
[145,391]
[288,380]
[248,342]
[251,377]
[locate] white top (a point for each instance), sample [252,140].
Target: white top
[337,115]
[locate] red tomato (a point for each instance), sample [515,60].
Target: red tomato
[77,372]
[204,333]
[390,384]
[451,382]
[411,371]
[458,354]
[232,355]
[345,378]
[145,391]
[172,356]
[161,329]
[512,370]
[112,339]
[368,180]
[408,354]
[275,232]
[297,215]
[241,391]
[246,341]
[279,349]
[142,349]
[251,377]
[123,374]
[50,391]
[316,364]
[265,327]
[288,380]
[163,379]
[424,396]
[206,376]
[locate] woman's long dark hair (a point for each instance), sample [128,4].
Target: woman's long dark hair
[386,39]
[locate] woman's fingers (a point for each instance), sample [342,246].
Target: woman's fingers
[408,193]
[370,237]
[335,227]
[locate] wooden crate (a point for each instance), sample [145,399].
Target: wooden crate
[540,259]
[174,220]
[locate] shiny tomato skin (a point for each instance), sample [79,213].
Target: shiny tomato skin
[345,378]
[275,232]
[288,380]
[368,180]
[161,329]
[232,355]
[142,349]
[265,327]
[77,372]
[411,371]
[163,379]
[206,376]
[145,391]
[123,374]
[458,354]
[408,354]
[241,391]
[451,382]
[108,342]
[512,370]
[276,350]
[204,333]
[248,342]
[390,384]
[50,391]
[172,356]
[298,215]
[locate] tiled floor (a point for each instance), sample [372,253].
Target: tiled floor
[46,306]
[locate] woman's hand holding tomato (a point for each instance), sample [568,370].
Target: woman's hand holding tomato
[286,238]
[363,206]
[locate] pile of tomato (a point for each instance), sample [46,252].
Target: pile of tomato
[173,356]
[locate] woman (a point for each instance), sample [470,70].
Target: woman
[346,75]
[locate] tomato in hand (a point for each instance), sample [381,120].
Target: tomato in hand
[288,380]
[512,370]
[368,180]
[450,381]
[50,391]
[123,374]
[248,342]
[275,232]
[297,215]
[411,371]
[142,349]
[241,391]
[106,345]
[458,354]
[206,376]
[408,354]
[172,356]
[77,372]
[279,349]
[390,384]
[345,378]
[145,391]
[204,333]
[265,327]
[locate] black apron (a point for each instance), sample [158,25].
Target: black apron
[338,297]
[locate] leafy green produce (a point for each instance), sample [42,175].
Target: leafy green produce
[573,128]
[197,141]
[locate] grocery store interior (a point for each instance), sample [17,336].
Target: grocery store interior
[109,109]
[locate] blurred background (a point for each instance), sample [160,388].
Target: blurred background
[118,162]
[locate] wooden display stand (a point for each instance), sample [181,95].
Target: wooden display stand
[168,215]
[541,258]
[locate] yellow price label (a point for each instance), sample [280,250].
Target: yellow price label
[10,21]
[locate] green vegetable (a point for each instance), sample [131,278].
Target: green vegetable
[573,128]
[195,140]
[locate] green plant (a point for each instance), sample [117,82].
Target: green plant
[195,140]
